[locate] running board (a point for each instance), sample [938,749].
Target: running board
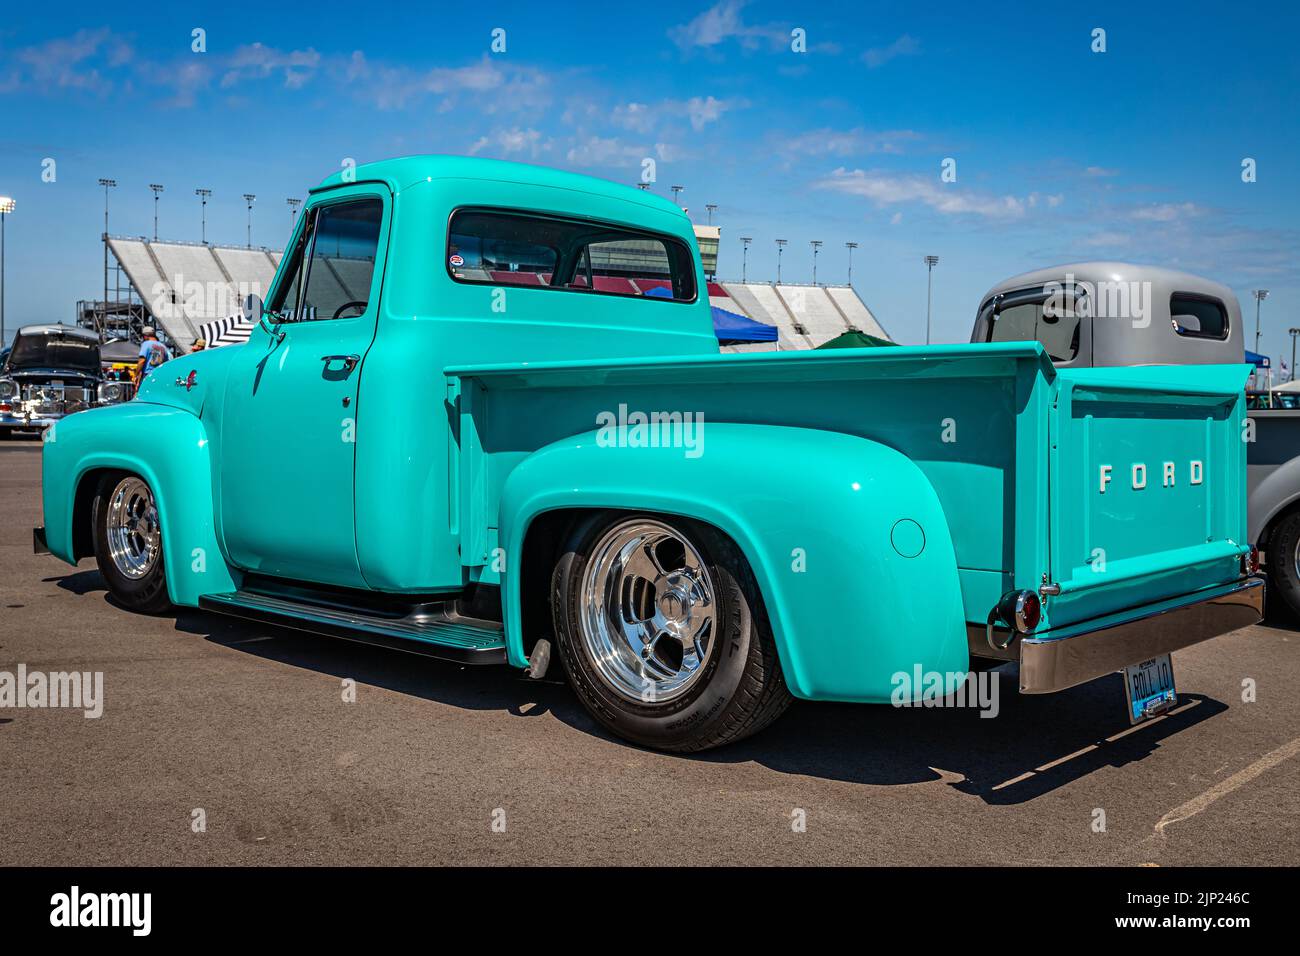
[438,632]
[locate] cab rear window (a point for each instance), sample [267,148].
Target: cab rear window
[1198,316]
[497,247]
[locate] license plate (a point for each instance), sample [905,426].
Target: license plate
[1149,687]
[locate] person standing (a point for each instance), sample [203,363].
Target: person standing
[152,354]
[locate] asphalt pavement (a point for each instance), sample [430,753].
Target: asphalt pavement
[225,742]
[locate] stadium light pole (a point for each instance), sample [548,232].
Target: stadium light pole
[1260,295]
[203,195]
[677,192]
[1293,333]
[157,189]
[6,207]
[107,184]
[744,257]
[710,206]
[780,248]
[293,211]
[248,198]
[930,263]
[850,246]
[816,245]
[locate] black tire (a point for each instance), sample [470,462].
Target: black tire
[144,595]
[740,688]
[1281,562]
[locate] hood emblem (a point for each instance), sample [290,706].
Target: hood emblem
[189,381]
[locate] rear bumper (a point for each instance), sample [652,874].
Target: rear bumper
[1096,648]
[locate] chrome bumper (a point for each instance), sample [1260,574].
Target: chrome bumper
[1050,664]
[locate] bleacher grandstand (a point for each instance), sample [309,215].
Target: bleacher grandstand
[805,316]
[182,287]
[192,290]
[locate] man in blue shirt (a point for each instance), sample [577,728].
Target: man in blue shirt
[152,354]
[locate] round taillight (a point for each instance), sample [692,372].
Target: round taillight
[1020,610]
[1028,612]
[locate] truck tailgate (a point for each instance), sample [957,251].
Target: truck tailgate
[1145,490]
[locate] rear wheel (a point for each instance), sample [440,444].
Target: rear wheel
[663,633]
[1284,561]
[128,543]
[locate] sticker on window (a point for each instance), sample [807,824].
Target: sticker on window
[457,260]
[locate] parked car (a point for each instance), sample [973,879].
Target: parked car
[52,371]
[1170,317]
[519,449]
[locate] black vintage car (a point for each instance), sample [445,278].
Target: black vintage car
[52,371]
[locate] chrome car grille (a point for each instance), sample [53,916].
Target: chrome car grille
[57,399]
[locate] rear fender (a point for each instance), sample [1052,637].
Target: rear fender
[168,448]
[825,520]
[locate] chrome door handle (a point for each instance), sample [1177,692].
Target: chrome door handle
[349,361]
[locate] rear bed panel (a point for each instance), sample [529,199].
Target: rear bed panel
[1145,485]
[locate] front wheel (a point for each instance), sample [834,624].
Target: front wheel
[128,543]
[663,633]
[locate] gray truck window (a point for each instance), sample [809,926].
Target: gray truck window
[1025,321]
[497,247]
[1198,317]
[341,265]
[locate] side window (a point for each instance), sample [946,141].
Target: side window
[506,248]
[340,260]
[1022,317]
[1198,317]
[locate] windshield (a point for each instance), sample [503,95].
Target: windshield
[54,350]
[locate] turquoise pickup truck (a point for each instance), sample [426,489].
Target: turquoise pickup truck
[482,416]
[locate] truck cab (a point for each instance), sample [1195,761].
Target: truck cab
[482,416]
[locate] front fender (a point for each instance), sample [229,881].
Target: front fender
[826,521]
[168,447]
[1279,490]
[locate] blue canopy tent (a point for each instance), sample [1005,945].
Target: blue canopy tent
[728,326]
[1257,360]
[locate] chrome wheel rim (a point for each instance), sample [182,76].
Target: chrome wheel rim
[647,611]
[133,533]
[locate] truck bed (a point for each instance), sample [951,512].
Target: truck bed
[1012,447]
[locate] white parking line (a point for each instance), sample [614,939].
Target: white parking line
[1225,787]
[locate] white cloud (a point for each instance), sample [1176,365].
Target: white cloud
[508,142]
[496,86]
[646,118]
[255,61]
[887,189]
[879,56]
[1166,212]
[1100,171]
[722,22]
[75,62]
[850,142]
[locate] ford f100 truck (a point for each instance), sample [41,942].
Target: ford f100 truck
[483,415]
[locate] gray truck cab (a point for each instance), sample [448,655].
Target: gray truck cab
[1115,313]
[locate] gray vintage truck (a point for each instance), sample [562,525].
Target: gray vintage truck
[1094,314]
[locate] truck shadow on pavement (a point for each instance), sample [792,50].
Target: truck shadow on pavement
[1033,746]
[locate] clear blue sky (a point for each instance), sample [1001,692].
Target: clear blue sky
[1061,153]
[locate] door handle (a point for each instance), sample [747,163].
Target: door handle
[349,361]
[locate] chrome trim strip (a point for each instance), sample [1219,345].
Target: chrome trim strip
[1048,665]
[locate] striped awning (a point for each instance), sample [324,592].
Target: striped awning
[229,331]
